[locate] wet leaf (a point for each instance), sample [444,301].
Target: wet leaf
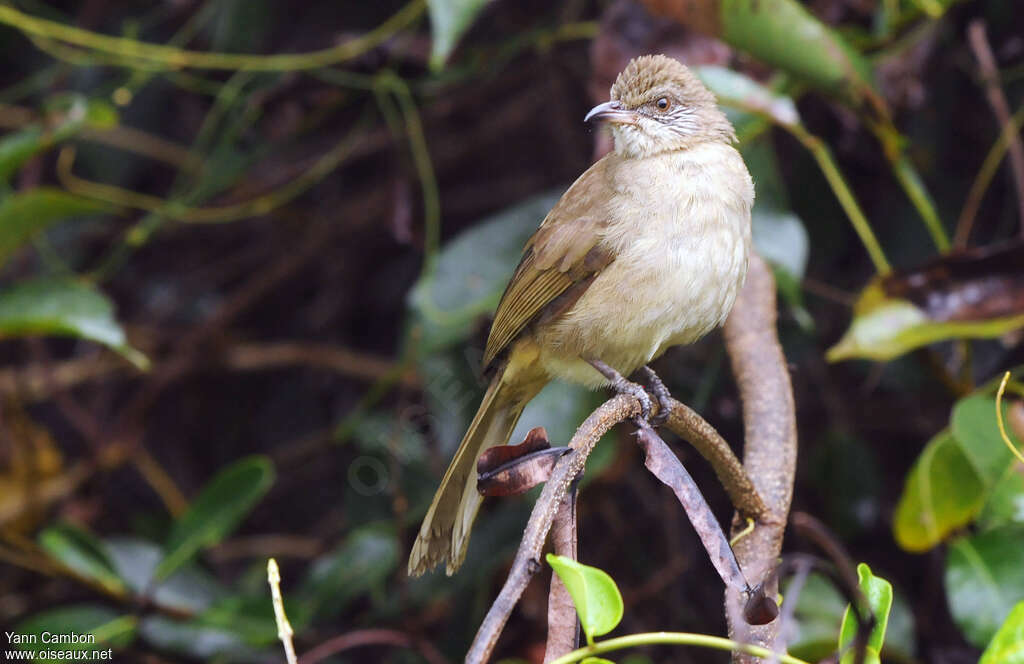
[943,492]
[1007,646]
[108,629]
[594,593]
[984,580]
[80,551]
[24,214]
[449,19]
[471,273]
[217,511]
[966,295]
[63,307]
[878,593]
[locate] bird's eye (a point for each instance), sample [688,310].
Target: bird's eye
[663,104]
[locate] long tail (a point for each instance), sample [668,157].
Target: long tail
[444,535]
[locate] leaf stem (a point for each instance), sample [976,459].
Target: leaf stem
[674,638]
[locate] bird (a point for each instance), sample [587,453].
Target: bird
[646,250]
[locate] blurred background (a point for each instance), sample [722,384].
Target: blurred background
[248,254]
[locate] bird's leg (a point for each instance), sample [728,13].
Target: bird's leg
[660,393]
[618,383]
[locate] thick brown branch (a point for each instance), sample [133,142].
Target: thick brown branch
[527,561]
[694,429]
[562,627]
[770,442]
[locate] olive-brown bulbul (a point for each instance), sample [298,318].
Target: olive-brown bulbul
[646,250]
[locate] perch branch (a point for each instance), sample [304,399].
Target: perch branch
[527,560]
[770,442]
[694,429]
[562,626]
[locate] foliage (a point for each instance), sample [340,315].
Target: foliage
[247,255]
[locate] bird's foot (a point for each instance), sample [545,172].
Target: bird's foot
[623,386]
[660,393]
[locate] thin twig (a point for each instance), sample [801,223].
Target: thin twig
[371,637]
[527,560]
[284,628]
[770,442]
[997,99]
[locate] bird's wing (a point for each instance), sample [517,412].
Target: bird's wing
[559,261]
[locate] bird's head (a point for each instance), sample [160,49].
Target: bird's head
[657,105]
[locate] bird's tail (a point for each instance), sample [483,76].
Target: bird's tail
[444,535]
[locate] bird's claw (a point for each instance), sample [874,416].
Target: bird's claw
[660,393]
[621,385]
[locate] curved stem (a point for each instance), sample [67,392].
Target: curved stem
[674,638]
[132,52]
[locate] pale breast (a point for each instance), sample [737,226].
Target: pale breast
[681,236]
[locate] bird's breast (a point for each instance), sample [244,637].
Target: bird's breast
[680,232]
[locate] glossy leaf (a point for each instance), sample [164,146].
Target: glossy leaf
[83,553]
[24,214]
[1007,646]
[188,589]
[449,19]
[594,593]
[943,492]
[1005,503]
[973,294]
[984,580]
[195,640]
[108,628]
[974,426]
[217,511]
[63,307]
[471,273]
[878,593]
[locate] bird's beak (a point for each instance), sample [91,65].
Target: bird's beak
[612,111]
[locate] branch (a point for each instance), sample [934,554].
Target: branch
[562,625]
[527,560]
[770,442]
[997,100]
[694,429]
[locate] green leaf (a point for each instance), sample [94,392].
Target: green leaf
[974,427]
[188,590]
[742,96]
[63,307]
[943,492]
[471,273]
[1005,503]
[107,629]
[594,593]
[597,660]
[1007,646]
[80,551]
[195,640]
[878,593]
[884,328]
[359,565]
[449,19]
[217,511]
[76,113]
[984,580]
[25,214]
